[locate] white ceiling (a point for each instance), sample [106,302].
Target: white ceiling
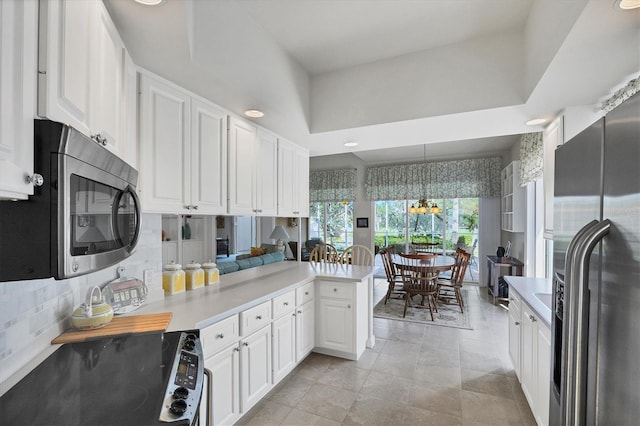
[462,75]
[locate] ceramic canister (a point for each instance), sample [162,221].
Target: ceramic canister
[173,278]
[211,273]
[195,275]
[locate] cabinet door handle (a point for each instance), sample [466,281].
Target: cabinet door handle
[35,179]
[306,293]
[195,207]
[236,349]
[220,336]
[293,315]
[259,317]
[335,289]
[286,303]
[245,344]
[348,306]
[532,318]
[516,322]
[187,207]
[299,312]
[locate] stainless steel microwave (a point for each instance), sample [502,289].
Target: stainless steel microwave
[84,217]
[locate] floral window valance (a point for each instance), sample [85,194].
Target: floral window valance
[332,185]
[531,157]
[479,177]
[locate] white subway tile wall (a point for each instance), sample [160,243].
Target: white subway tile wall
[34,312]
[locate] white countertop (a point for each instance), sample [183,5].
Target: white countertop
[243,289]
[527,288]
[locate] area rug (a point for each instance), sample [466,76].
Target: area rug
[447,315]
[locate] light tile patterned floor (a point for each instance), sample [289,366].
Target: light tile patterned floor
[415,375]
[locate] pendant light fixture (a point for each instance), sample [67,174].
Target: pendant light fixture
[424,206]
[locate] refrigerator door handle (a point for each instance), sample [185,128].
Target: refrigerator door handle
[575,411]
[567,387]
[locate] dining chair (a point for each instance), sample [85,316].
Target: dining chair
[393,277]
[324,253]
[356,255]
[418,258]
[419,280]
[451,289]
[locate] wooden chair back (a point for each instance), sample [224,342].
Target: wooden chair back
[386,253]
[324,253]
[357,255]
[417,279]
[417,259]
[460,268]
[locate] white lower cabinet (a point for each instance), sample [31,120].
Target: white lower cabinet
[514,332]
[225,398]
[249,352]
[305,330]
[532,339]
[341,324]
[255,368]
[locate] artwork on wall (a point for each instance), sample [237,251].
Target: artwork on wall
[219,222]
[362,222]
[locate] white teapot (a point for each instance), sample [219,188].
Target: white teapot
[94,313]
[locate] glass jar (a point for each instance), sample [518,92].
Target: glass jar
[195,275]
[211,273]
[173,279]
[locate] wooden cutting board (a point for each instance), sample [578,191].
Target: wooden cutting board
[119,326]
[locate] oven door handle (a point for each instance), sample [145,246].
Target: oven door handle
[209,375]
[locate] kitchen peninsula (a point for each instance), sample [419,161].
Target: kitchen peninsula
[258,324]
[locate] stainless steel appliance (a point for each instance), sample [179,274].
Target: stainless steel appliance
[84,217]
[139,379]
[596,321]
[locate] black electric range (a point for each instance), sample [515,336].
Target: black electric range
[139,379]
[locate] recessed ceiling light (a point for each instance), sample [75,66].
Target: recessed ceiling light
[254,113]
[149,2]
[352,143]
[627,4]
[536,121]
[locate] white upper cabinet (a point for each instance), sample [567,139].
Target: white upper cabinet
[253,162]
[208,167]
[164,138]
[18,50]
[267,174]
[81,70]
[182,152]
[241,147]
[552,137]
[293,179]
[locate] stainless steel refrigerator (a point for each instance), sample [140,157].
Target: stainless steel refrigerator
[596,323]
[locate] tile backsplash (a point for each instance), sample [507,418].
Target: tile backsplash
[34,312]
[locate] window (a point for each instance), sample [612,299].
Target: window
[456,225]
[332,222]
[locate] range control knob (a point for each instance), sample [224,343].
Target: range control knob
[189,345]
[181,393]
[178,407]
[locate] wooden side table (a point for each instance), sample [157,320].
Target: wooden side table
[494,264]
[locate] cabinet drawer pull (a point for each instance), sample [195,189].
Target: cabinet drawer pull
[348,306]
[259,317]
[286,303]
[195,207]
[245,344]
[306,293]
[299,312]
[220,336]
[335,289]
[236,349]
